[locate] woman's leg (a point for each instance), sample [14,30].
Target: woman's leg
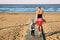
[39,28]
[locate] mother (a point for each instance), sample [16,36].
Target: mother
[39,17]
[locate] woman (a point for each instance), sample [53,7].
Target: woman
[39,17]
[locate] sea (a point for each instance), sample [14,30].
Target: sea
[29,7]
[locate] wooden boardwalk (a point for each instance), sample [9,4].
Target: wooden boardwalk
[36,37]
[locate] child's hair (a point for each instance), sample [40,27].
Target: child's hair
[32,20]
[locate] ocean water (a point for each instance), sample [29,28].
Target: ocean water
[29,7]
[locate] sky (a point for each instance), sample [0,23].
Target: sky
[29,1]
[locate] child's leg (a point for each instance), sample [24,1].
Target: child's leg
[32,33]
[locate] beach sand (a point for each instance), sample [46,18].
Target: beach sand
[13,25]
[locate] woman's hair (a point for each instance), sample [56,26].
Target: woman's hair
[39,7]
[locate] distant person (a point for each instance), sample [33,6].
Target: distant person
[40,18]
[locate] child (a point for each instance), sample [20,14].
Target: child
[33,28]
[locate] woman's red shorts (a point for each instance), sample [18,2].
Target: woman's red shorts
[39,21]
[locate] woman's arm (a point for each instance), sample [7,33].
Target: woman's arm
[43,14]
[36,14]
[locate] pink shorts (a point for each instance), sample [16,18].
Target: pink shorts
[39,22]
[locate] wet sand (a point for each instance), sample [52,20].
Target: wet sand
[13,25]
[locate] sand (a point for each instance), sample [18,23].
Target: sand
[13,25]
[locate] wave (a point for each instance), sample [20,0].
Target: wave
[48,9]
[17,9]
[28,9]
[58,10]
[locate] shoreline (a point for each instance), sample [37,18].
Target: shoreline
[27,12]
